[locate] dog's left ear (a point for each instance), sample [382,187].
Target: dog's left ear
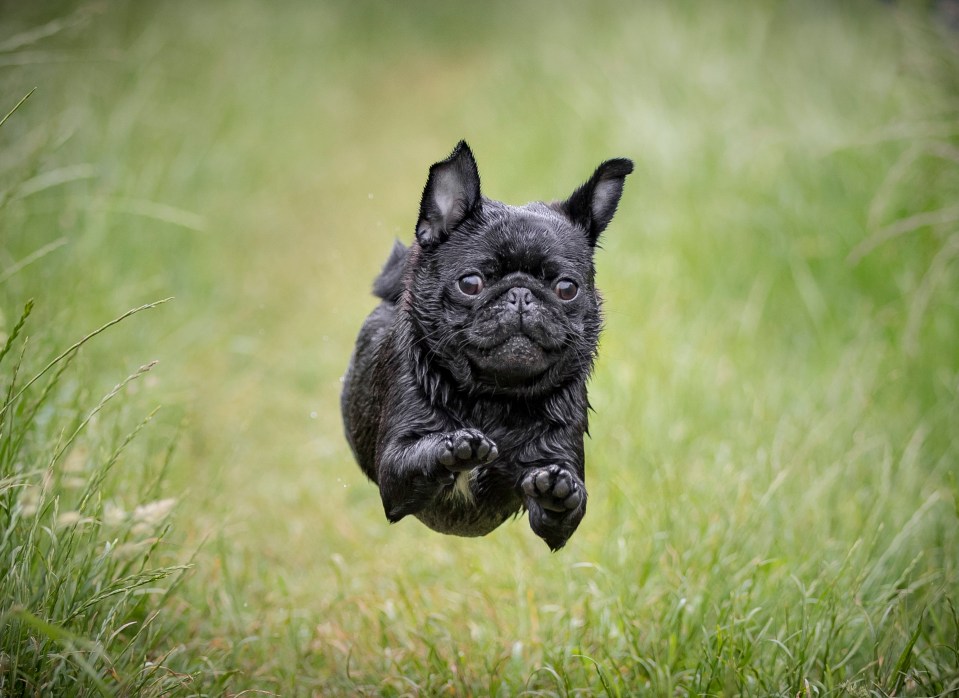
[451,194]
[593,204]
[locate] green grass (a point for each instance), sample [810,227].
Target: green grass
[80,546]
[774,455]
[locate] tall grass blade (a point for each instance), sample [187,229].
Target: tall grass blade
[79,343]
[901,670]
[31,258]
[18,105]
[96,410]
[69,641]
[15,332]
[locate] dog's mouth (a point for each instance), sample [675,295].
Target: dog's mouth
[516,362]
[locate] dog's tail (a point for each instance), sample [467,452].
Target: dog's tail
[389,284]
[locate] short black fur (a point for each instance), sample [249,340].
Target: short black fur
[465,398]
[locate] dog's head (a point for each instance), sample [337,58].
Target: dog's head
[503,297]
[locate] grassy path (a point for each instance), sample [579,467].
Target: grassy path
[774,452]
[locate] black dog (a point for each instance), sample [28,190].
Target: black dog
[465,398]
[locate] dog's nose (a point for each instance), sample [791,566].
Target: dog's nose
[519,298]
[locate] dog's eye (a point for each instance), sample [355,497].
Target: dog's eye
[471,284]
[566,290]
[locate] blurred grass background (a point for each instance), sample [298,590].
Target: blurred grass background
[773,458]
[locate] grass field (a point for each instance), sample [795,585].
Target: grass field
[774,507]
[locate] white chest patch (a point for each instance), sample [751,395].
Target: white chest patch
[461,486]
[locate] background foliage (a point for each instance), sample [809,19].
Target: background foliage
[773,459]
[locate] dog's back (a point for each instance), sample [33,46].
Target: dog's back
[389,284]
[359,408]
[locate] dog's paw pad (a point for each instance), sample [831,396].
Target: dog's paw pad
[554,488]
[466,448]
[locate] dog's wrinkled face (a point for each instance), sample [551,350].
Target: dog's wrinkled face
[517,307]
[503,297]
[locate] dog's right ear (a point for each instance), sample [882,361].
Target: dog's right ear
[593,204]
[451,194]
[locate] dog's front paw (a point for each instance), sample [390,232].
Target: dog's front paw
[465,449]
[554,488]
[556,500]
